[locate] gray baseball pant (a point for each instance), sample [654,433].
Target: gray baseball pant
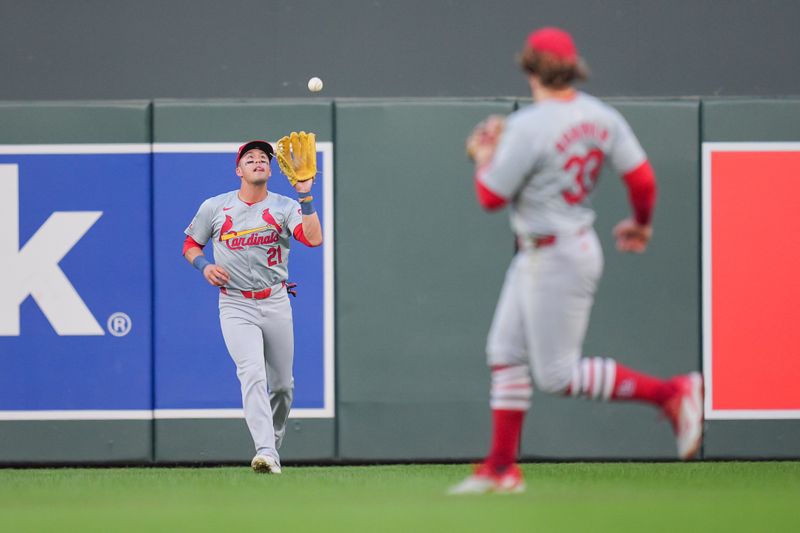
[260,339]
[543,311]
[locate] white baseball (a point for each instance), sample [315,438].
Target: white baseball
[315,85]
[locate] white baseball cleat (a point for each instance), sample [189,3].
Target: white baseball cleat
[485,481]
[264,464]
[685,411]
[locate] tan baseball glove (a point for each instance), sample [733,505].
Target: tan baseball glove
[297,156]
[484,138]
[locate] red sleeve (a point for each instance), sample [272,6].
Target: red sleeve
[300,236]
[488,199]
[641,183]
[188,243]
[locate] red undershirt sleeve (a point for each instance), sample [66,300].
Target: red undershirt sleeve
[488,199]
[641,183]
[188,243]
[300,236]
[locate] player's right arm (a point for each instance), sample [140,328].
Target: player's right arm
[199,231]
[214,274]
[481,145]
[505,161]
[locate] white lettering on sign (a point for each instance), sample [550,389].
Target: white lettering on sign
[33,270]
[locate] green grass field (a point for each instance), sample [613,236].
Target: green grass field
[585,497]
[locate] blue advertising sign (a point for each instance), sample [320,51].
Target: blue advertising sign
[100,315]
[194,375]
[75,304]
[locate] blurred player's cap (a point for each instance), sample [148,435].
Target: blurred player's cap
[261,145]
[554,41]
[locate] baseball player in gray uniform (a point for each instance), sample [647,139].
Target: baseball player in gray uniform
[250,229]
[544,162]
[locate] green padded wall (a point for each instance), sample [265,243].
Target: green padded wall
[215,440]
[752,120]
[75,122]
[646,312]
[60,442]
[75,441]
[418,268]
[412,378]
[228,441]
[234,120]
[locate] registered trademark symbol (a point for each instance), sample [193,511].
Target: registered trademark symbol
[119,324]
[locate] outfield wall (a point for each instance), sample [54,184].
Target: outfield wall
[402,306]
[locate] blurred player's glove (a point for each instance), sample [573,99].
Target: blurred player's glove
[484,138]
[297,156]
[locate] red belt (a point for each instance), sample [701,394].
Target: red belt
[536,242]
[541,241]
[544,240]
[253,295]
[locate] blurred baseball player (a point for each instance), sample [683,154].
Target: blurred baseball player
[251,229]
[544,162]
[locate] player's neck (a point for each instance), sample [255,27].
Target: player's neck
[541,93]
[251,194]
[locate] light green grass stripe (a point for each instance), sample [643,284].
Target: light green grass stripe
[585,497]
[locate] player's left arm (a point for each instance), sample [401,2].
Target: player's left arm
[309,231]
[633,234]
[629,159]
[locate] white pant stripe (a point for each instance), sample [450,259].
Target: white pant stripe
[610,375]
[510,405]
[514,373]
[585,372]
[511,388]
[597,377]
[594,378]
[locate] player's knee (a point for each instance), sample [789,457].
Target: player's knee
[250,373]
[282,387]
[553,380]
[504,355]
[282,391]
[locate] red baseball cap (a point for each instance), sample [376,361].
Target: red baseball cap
[251,145]
[553,41]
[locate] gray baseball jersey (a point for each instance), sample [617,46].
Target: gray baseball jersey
[549,158]
[251,242]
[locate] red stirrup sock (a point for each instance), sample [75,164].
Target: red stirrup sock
[602,378]
[510,399]
[632,385]
[505,438]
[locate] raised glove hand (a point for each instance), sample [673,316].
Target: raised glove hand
[484,138]
[297,156]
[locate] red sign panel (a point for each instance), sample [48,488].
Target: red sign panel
[751,279]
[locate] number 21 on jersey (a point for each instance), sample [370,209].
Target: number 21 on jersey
[274,256]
